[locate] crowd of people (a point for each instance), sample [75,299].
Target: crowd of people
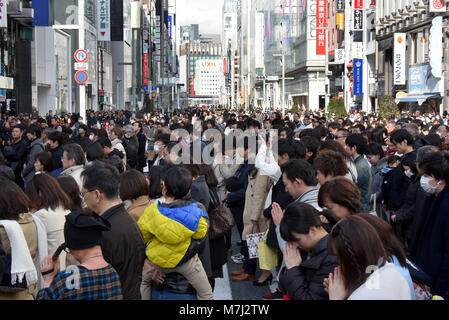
[353,207]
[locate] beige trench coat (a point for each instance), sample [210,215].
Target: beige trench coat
[255,196]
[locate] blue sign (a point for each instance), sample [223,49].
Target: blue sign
[358,77]
[41,13]
[417,79]
[145,88]
[170,21]
[81,77]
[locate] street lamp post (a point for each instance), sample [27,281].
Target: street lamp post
[118,80]
[283,80]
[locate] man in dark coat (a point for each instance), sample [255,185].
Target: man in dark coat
[430,250]
[141,160]
[15,153]
[123,247]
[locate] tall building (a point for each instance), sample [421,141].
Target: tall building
[209,79]
[190,33]
[190,53]
[230,44]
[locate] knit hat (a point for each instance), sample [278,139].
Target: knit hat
[82,231]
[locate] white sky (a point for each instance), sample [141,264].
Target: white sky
[206,13]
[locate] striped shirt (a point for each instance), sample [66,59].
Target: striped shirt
[100,284]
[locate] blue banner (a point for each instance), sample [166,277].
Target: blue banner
[358,77]
[41,13]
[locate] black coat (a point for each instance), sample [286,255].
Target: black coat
[57,155]
[410,210]
[394,188]
[430,250]
[283,199]
[124,248]
[199,192]
[305,282]
[15,155]
[141,160]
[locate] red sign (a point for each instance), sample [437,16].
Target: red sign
[146,70]
[321,42]
[81,55]
[321,17]
[321,26]
[358,4]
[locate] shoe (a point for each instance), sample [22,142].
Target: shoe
[238,272]
[244,277]
[266,282]
[277,295]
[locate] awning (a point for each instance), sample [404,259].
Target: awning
[421,98]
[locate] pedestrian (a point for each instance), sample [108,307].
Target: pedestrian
[430,247]
[24,241]
[115,135]
[134,188]
[51,204]
[302,278]
[6,171]
[15,153]
[55,147]
[329,164]
[43,163]
[123,246]
[73,161]
[358,248]
[70,187]
[35,147]
[97,280]
[173,245]
[356,145]
[341,197]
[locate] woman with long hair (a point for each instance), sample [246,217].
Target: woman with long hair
[365,265]
[51,204]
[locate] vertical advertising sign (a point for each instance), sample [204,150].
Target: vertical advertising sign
[399,58]
[358,77]
[3,14]
[437,5]
[340,21]
[321,25]
[340,5]
[358,20]
[104,20]
[358,4]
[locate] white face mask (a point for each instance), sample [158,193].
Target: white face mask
[425,184]
[156,148]
[91,137]
[409,173]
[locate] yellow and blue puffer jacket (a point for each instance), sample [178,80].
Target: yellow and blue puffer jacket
[168,230]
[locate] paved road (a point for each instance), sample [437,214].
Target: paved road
[226,289]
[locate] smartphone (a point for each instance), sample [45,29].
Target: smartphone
[58,252]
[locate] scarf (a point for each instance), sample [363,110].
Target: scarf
[22,264]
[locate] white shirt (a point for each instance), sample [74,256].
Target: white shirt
[385,283]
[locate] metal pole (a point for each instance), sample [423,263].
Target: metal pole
[81,45]
[326,70]
[283,84]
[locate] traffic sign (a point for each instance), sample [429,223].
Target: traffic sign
[273,78]
[81,77]
[81,66]
[81,55]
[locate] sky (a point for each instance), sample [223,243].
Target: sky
[206,13]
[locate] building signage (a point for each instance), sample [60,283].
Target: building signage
[104,20]
[436,46]
[340,5]
[437,5]
[3,14]
[399,58]
[358,77]
[358,4]
[339,55]
[321,42]
[358,19]
[321,25]
[340,21]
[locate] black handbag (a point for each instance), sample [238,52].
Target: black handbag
[221,219]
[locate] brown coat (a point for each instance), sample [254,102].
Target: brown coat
[28,226]
[255,197]
[138,207]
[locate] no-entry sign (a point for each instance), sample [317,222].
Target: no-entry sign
[81,77]
[81,55]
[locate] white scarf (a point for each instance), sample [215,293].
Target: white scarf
[22,264]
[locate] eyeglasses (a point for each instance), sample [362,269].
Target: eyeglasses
[83,194]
